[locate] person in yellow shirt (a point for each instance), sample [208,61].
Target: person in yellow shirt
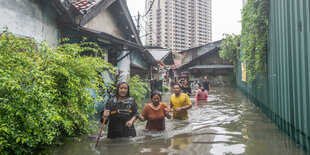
[180,103]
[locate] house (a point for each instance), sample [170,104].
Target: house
[205,61]
[105,22]
[109,24]
[165,62]
[164,59]
[33,19]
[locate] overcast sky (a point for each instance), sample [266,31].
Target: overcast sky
[226,16]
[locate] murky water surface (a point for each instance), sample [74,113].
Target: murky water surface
[228,124]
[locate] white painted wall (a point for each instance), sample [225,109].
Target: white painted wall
[105,21]
[27,18]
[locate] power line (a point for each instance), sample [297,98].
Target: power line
[149,9]
[152,31]
[146,33]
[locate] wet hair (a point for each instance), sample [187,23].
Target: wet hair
[155,92]
[201,85]
[117,88]
[177,84]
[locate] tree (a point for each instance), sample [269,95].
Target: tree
[230,48]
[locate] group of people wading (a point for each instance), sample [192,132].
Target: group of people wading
[121,111]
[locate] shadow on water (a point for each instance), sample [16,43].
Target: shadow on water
[228,124]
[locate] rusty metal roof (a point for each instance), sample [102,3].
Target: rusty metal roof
[83,4]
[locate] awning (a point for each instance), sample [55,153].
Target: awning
[212,67]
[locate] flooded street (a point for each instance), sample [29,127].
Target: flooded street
[228,124]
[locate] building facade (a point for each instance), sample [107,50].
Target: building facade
[178,24]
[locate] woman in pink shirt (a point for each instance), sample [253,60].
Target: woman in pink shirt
[201,95]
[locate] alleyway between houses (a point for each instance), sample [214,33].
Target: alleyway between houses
[228,124]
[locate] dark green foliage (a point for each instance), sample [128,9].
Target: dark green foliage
[254,37]
[138,89]
[230,48]
[43,92]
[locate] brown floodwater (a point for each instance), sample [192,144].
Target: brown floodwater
[228,124]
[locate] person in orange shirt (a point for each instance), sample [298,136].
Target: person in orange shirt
[155,113]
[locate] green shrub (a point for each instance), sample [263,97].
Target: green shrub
[230,48]
[43,92]
[138,89]
[165,88]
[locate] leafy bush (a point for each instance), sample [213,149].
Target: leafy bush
[43,92]
[165,88]
[138,89]
[254,37]
[230,48]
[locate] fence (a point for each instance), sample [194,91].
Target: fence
[284,95]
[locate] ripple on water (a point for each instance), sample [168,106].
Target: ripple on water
[228,124]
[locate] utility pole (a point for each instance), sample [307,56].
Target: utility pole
[138,24]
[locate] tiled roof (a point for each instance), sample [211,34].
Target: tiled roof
[83,4]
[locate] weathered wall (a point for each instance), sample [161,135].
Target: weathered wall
[29,19]
[285,94]
[137,60]
[210,59]
[138,65]
[105,21]
[124,66]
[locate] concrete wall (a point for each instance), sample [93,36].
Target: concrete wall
[138,65]
[29,19]
[124,65]
[137,60]
[105,21]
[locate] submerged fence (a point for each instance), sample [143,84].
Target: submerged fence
[284,95]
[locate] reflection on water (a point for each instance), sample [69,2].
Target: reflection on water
[227,124]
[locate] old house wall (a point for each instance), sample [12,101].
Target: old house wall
[105,21]
[30,19]
[211,59]
[138,65]
[124,66]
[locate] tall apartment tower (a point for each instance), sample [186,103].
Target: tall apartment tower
[178,24]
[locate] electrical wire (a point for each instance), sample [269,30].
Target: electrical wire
[146,36]
[149,9]
[152,31]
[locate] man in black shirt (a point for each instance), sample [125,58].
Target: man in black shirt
[206,83]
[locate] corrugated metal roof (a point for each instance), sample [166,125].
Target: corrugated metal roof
[211,66]
[159,54]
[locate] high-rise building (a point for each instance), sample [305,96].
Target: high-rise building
[178,24]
